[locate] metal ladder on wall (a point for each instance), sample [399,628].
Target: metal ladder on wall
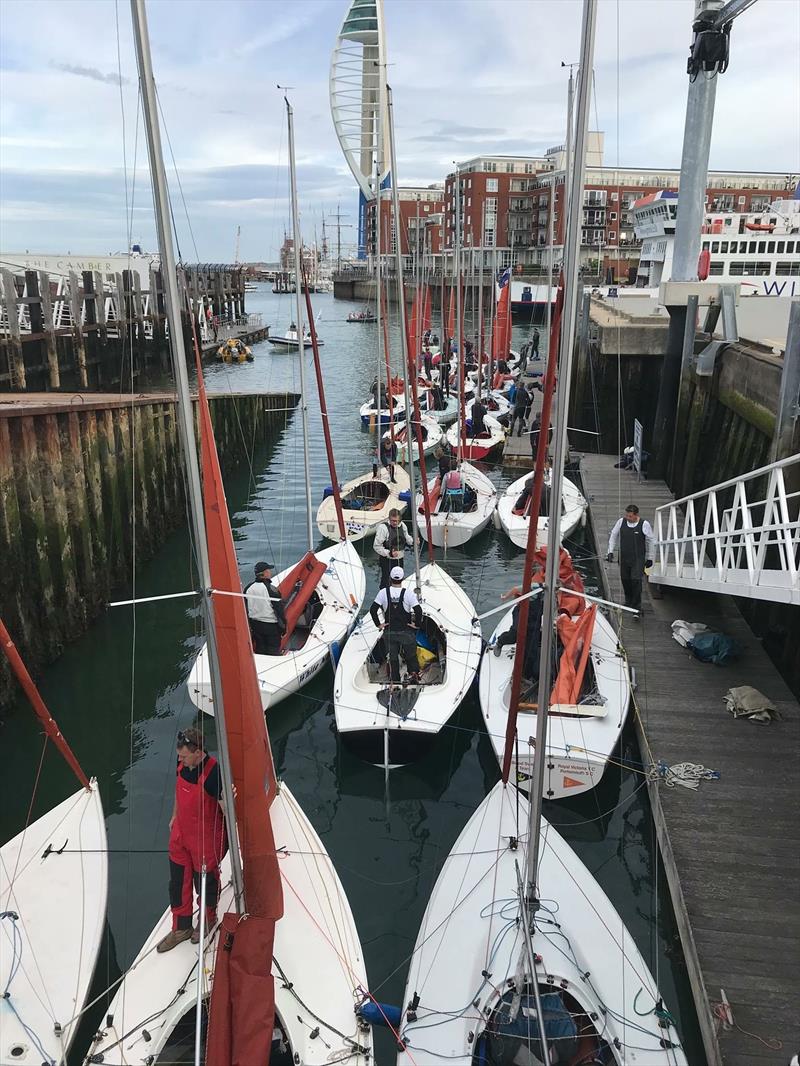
[741,537]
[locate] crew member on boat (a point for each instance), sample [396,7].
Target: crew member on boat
[391,540]
[478,415]
[444,369]
[197,838]
[265,612]
[402,619]
[636,542]
[387,456]
[533,634]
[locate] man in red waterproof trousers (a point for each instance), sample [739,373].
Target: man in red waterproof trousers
[197,837]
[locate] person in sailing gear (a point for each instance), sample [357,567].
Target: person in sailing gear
[391,540]
[402,618]
[522,404]
[387,456]
[427,361]
[444,369]
[533,633]
[379,397]
[478,415]
[265,612]
[533,433]
[197,838]
[527,491]
[636,542]
[535,345]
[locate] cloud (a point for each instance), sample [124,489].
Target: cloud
[90,72]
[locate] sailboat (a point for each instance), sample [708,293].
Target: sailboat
[521,957]
[283,971]
[515,520]
[431,439]
[324,591]
[389,723]
[57,866]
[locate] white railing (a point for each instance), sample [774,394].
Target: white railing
[739,546]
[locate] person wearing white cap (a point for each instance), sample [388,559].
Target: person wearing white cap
[402,616]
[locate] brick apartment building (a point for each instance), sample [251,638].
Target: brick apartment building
[420,222]
[506,204]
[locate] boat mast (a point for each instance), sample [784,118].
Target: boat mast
[462,422]
[572,247]
[480,312]
[298,273]
[401,307]
[185,416]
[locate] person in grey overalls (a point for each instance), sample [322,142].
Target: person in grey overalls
[635,537]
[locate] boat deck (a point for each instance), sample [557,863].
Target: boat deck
[731,848]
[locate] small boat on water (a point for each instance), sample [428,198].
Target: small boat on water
[457,517]
[288,340]
[234,351]
[515,520]
[390,725]
[481,447]
[431,435]
[366,502]
[321,612]
[362,316]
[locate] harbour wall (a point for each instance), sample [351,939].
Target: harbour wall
[88,485]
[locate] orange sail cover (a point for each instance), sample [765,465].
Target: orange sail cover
[576,638]
[242,997]
[501,335]
[451,314]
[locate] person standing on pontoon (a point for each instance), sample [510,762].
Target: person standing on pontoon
[402,616]
[391,540]
[636,543]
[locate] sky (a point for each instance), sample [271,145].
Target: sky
[469,77]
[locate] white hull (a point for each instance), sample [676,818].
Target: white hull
[449,413]
[61,904]
[478,447]
[586,952]
[452,529]
[289,342]
[502,403]
[316,946]
[433,438]
[578,746]
[341,593]
[573,513]
[369,414]
[360,522]
[364,721]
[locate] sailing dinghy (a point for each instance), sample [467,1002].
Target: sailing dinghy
[470,969]
[389,724]
[456,518]
[588,705]
[478,448]
[366,502]
[431,436]
[515,521]
[320,614]
[53,889]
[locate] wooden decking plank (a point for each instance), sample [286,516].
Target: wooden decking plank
[734,841]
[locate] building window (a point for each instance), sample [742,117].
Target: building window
[491,167]
[612,215]
[752,248]
[762,268]
[705,246]
[723,246]
[614,196]
[427,207]
[742,199]
[770,247]
[780,248]
[790,247]
[714,247]
[491,184]
[736,270]
[612,237]
[509,168]
[787,269]
[715,269]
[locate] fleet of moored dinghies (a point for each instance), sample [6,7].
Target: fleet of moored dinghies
[519,957]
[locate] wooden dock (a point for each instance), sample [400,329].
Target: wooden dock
[731,848]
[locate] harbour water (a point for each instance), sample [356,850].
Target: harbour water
[119,695]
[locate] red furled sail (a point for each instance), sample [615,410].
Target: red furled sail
[307,574]
[426,310]
[501,334]
[414,331]
[451,313]
[242,998]
[576,639]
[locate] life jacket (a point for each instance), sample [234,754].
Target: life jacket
[199,825]
[632,543]
[397,616]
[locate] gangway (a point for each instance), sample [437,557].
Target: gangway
[740,538]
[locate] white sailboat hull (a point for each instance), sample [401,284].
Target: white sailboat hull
[364,722]
[433,438]
[452,529]
[369,413]
[477,448]
[469,928]
[316,945]
[341,593]
[578,746]
[362,522]
[573,513]
[48,952]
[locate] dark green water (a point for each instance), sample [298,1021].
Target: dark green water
[119,695]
